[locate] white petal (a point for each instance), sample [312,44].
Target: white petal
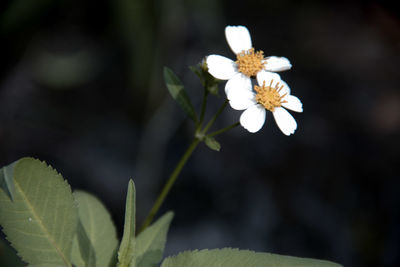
[238,38]
[238,82]
[274,80]
[277,64]
[253,118]
[221,67]
[292,103]
[241,99]
[285,121]
[267,77]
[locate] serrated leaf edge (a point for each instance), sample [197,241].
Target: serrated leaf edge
[34,214]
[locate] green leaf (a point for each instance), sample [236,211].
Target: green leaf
[213,88]
[207,80]
[45,265]
[177,91]
[6,180]
[228,257]
[126,249]
[8,257]
[41,221]
[95,242]
[82,253]
[150,243]
[212,143]
[197,70]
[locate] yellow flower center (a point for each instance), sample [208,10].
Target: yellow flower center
[250,62]
[269,96]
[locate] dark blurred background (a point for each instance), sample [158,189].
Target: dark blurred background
[81,87]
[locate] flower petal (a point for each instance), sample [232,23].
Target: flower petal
[253,118]
[238,82]
[267,77]
[221,67]
[241,99]
[285,121]
[238,38]
[292,103]
[274,80]
[277,63]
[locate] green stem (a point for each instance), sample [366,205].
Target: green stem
[211,122]
[203,108]
[170,182]
[223,130]
[174,175]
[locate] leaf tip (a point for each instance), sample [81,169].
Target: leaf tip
[131,186]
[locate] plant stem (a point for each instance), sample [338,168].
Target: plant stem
[220,131]
[203,108]
[170,182]
[211,122]
[174,175]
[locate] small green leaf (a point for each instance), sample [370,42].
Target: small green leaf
[41,220]
[96,240]
[197,70]
[228,257]
[212,143]
[7,181]
[126,249]
[213,88]
[177,91]
[151,242]
[207,80]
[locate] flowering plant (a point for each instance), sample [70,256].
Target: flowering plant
[272,93]
[49,225]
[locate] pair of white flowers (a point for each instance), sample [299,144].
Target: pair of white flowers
[271,93]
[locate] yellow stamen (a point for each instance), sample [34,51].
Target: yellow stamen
[269,96]
[250,62]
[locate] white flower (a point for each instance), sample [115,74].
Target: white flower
[248,62]
[273,94]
